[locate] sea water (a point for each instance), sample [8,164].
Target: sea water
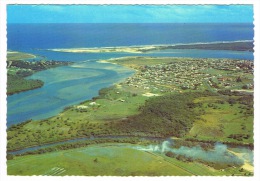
[68,85]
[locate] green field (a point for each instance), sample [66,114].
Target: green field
[13,55]
[108,159]
[219,119]
[94,160]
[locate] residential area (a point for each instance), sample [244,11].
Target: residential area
[194,74]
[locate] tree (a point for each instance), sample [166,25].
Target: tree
[239,79]
[170,154]
[9,157]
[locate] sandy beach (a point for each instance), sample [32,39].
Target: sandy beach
[236,46]
[138,49]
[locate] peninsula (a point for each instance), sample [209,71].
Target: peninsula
[21,65]
[234,46]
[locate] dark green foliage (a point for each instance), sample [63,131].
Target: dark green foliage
[247,100]
[169,115]
[9,156]
[37,65]
[245,87]
[239,137]
[170,154]
[24,73]
[238,46]
[238,79]
[231,93]
[231,101]
[95,160]
[79,144]
[16,84]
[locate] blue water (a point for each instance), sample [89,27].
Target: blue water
[63,86]
[45,36]
[70,85]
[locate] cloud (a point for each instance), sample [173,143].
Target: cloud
[49,8]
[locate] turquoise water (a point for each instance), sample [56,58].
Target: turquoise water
[63,86]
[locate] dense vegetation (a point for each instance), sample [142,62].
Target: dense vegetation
[236,46]
[79,144]
[35,66]
[16,84]
[164,116]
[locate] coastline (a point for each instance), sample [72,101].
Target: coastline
[16,55]
[246,45]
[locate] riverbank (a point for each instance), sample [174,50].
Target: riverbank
[233,46]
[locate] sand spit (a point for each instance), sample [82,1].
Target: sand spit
[15,55]
[232,45]
[137,49]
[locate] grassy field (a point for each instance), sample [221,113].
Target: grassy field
[13,55]
[108,159]
[94,160]
[220,119]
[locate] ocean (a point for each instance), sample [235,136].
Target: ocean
[46,36]
[65,86]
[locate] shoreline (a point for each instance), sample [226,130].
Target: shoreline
[19,55]
[20,67]
[112,68]
[246,45]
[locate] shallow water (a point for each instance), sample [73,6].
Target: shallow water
[63,86]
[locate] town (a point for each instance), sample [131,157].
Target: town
[192,74]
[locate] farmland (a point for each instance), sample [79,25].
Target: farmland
[109,159]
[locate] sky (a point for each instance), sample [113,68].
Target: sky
[129,13]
